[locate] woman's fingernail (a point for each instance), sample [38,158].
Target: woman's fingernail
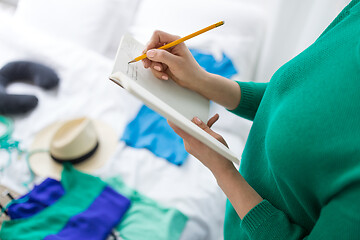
[151,53]
[197,120]
[157,68]
[164,77]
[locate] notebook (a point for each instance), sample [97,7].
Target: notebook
[177,104]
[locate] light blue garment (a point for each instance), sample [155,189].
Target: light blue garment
[151,131]
[224,67]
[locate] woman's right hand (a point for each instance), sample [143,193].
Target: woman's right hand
[176,62]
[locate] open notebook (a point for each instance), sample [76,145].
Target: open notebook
[175,103]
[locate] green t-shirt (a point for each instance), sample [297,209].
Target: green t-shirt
[303,151]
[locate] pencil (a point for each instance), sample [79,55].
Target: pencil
[176,42]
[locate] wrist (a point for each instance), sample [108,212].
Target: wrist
[202,82]
[219,89]
[224,169]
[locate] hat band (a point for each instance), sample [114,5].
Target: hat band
[76,160]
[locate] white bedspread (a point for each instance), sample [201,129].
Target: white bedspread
[86,91]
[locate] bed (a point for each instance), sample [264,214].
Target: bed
[81,48]
[84,63]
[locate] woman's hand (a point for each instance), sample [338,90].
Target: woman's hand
[176,62]
[211,159]
[241,195]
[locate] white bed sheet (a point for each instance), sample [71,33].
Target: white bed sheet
[85,90]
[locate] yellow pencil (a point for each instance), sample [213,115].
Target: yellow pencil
[169,45]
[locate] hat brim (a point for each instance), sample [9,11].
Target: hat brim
[42,164]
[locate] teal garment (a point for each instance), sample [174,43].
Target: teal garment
[146,219]
[80,188]
[303,151]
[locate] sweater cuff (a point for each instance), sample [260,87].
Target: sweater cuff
[251,95]
[257,216]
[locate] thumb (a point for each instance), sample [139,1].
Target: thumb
[202,125]
[159,55]
[207,129]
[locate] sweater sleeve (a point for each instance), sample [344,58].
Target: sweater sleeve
[251,95]
[339,219]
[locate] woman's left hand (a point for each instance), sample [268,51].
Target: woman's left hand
[210,158]
[241,195]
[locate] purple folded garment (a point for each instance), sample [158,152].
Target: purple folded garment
[98,220]
[94,223]
[42,196]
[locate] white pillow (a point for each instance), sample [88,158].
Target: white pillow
[96,24]
[240,38]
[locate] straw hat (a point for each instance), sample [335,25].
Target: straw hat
[84,142]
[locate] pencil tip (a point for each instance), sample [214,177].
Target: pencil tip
[131,61]
[219,24]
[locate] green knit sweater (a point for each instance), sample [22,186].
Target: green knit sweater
[303,151]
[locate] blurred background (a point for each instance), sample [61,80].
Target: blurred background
[278,29]
[78,39]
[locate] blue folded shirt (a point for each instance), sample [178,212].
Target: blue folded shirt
[224,67]
[151,131]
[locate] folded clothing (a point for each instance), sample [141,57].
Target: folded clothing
[147,219]
[151,131]
[88,209]
[97,221]
[84,207]
[42,196]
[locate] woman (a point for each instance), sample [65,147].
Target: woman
[300,171]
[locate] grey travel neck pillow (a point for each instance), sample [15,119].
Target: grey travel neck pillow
[29,72]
